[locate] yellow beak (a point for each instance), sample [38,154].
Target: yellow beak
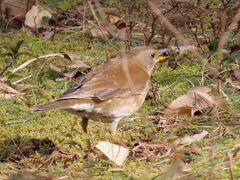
[160,58]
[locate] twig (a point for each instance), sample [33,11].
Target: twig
[20,80]
[224,36]
[34,59]
[96,18]
[230,165]
[164,20]
[18,148]
[223,39]
[149,38]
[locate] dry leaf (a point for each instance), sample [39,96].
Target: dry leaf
[114,152]
[8,89]
[96,32]
[118,22]
[187,140]
[34,17]
[195,100]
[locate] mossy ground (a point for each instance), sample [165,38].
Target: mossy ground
[56,125]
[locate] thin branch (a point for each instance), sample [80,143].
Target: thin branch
[164,20]
[34,59]
[224,36]
[96,18]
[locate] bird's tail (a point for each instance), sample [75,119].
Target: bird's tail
[59,104]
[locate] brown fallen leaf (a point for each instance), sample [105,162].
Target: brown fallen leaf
[117,154]
[8,89]
[195,100]
[116,21]
[96,32]
[35,15]
[187,140]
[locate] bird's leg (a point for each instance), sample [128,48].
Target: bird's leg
[84,124]
[84,127]
[74,123]
[113,126]
[116,138]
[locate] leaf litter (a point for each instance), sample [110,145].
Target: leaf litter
[19,149]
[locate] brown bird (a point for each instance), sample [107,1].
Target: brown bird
[111,91]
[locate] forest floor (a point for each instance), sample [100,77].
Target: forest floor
[28,139]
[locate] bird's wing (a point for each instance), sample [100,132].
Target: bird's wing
[110,81]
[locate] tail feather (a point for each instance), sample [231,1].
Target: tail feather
[60,104]
[50,106]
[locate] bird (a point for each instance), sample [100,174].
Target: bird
[111,91]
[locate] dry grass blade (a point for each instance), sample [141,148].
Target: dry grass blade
[34,59]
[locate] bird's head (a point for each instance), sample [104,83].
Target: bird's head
[147,57]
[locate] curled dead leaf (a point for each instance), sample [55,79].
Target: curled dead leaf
[195,100]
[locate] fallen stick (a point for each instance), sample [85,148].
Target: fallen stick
[34,59]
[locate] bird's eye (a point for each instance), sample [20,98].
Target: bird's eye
[152,55]
[166,53]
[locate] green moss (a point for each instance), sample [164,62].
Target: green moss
[18,120]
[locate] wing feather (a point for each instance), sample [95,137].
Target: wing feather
[110,81]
